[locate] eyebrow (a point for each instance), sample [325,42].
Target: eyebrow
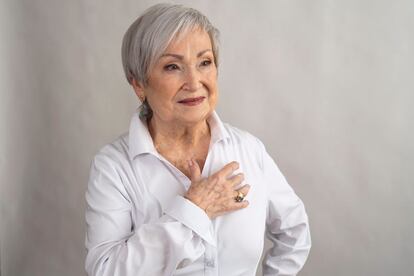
[182,57]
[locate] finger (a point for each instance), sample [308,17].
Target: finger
[236,180]
[238,205]
[228,170]
[244,190]
[195,172]
[243,204]
[233,206]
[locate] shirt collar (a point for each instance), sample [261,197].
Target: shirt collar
[140,140]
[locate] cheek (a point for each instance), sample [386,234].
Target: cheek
[212,80]
[213,97]
[159,100]
[213,91]
[164,91]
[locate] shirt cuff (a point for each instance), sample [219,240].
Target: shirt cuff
[193,217]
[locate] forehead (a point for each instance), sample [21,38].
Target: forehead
[195,38]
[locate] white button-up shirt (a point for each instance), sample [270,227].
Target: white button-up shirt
[139,223]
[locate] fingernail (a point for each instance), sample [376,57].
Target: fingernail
[190,163]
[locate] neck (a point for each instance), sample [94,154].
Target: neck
[167,135]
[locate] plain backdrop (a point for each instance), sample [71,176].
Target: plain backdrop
[326,85]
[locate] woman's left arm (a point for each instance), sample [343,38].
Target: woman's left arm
[287,224]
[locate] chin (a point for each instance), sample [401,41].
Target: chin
[196,116]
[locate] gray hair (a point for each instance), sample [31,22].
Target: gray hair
[148,37]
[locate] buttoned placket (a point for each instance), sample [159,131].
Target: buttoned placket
[210,254]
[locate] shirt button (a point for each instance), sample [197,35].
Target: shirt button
[210,263]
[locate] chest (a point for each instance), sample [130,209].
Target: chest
[179,158]
[239,234]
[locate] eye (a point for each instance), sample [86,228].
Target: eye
[171,67]
[206,62]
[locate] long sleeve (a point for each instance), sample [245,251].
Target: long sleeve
[287,224]
[116,246]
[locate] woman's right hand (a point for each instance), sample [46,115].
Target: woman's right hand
[216,194]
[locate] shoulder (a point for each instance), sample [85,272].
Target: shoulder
[111,168]
[245,142]
[242,137]
[114,154]
[109,175]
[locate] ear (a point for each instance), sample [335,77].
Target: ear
[139,89]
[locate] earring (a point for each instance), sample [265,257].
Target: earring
[146,111]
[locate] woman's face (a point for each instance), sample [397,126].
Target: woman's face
[182,86]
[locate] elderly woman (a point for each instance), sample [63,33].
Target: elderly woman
[183,193]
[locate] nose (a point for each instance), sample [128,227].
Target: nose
[192,80]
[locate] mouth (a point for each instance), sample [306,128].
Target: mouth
[192,101]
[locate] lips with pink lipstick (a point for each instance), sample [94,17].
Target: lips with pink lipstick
[192,101]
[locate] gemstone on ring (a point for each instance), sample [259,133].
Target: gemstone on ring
[240,197]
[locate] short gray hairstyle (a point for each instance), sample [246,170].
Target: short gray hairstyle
[148,37]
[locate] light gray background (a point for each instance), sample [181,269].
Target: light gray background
[327,85]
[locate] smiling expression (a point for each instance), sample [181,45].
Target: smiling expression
[182,85]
